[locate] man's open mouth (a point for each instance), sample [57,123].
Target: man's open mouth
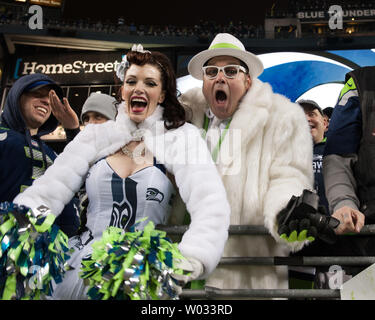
[220,96]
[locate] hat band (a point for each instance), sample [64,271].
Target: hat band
[224,45]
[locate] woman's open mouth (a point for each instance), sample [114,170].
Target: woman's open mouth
[138,104]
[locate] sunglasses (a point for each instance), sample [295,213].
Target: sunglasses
[230,71]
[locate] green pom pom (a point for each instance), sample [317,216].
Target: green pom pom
[132,265]
[32,253]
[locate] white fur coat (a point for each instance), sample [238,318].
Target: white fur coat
[184,154]
[272,162]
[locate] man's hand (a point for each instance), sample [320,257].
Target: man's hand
[303,219]
[351,220]
[63,111]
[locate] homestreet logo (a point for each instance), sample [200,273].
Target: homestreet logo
[71,68]
[68,68]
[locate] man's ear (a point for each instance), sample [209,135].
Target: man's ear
[248,82]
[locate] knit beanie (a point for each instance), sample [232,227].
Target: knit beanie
[101,103]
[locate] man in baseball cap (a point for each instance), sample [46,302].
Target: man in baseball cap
[315,117]
[33,108]
[261,144]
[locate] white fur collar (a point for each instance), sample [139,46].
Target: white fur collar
[124,123]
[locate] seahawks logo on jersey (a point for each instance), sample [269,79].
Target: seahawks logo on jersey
[124,193]
[349,90]
[154,194]
[121,215]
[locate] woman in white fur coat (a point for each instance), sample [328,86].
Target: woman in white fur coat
[117,160]
[264,156]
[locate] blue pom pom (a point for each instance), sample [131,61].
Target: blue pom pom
[30,260]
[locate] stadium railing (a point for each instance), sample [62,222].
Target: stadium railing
[248,230]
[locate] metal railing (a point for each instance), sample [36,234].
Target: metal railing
[214,293]
[256,230]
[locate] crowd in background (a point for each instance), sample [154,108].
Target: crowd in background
[11,15]
[203,29]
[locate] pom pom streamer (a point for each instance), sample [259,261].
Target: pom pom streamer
[32,253]
[135,265]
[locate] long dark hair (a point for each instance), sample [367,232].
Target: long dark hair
[174,114]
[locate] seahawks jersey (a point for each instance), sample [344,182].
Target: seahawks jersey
[118,202]
[345,127]
[17,167]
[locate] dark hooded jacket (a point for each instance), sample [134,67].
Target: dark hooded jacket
[23,158]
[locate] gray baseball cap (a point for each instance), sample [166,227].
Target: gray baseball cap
[101,103]
[310,104]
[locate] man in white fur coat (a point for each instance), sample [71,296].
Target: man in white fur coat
[262,146]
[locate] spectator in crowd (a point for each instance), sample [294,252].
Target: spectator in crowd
[318,124]
[29,114]
[123,182]
[261,144]
[348,158]
[305,277]
[98,108]
[347,177]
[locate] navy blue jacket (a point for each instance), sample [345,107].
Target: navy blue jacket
[23,158]
[318,173]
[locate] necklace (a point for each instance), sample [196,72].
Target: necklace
[136,153]
[139,150]
[138,135]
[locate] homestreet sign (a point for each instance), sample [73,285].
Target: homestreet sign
[88,68]
[347,14]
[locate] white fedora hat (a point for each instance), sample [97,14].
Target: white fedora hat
[224,44]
